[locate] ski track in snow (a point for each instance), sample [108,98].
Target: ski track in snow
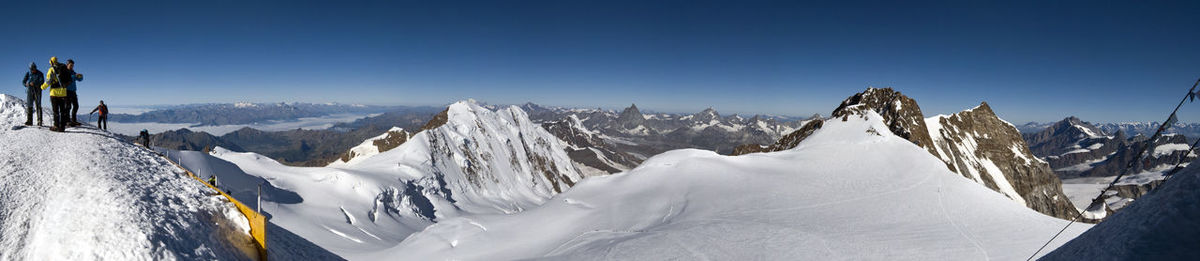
[966,234]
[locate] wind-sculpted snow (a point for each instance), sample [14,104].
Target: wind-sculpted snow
[852,190]
[84,195]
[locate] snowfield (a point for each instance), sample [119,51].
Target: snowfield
[84,195]
[851,191]
[847,192]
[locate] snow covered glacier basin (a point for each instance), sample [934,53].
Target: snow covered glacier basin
[850,191]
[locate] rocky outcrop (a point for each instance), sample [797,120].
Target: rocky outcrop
[974,143]
[900,113]
[387,141]
[980,146]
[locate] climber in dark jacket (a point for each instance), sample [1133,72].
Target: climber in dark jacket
[33,94]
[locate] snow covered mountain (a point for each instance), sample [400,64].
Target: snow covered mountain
[1130,128]
[1087,158]
[851,190]
[628,137]
[974,143]
[468,160]
[588,149]
[84,194]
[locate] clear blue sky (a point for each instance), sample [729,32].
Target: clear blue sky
[1101,60]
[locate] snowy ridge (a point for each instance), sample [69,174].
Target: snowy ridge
[852,190]
[478,161]
[84,194]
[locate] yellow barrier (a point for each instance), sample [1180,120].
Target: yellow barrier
[258,222]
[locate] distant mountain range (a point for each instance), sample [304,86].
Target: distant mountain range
[611,142]
[602,141]
[298,147]
[1191,130]
[246,113]
[1084,153]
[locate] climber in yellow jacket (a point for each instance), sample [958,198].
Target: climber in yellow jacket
[58,77]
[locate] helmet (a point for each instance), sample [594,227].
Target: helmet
[53,60]
[33,65]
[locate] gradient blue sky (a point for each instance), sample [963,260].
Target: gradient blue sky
[1104,61]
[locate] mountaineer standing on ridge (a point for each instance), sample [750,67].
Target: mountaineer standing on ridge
[57,78]
[144,136]
[101,122]
[33,94]
[72,97]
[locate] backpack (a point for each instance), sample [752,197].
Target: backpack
[62,76]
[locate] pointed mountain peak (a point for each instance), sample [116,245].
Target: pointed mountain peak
[631,117]
[632,109]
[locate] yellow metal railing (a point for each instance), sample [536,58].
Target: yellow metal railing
[258,222]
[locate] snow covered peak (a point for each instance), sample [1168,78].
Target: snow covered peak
[468,160]
[974,143]
[706,116]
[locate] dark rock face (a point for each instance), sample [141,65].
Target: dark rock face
[390,140]
[630,118]
[974,143]
[997,157]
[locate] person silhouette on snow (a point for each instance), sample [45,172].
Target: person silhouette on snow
[57,79]
[33,94]
[145,137]
[72,97]
[101,122]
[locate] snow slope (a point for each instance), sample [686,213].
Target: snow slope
[479,161]
[369,147]
[1158,226]
[852,190]
[85,194]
